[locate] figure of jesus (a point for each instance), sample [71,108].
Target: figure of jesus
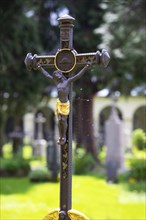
[63,104]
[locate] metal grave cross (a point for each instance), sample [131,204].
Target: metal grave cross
[66,60]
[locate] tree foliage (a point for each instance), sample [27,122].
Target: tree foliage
[127,44]
[19,35]
[19,90]
[31,26]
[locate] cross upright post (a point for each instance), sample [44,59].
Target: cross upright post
[66,60]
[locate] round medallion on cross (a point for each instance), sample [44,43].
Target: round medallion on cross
[65,60]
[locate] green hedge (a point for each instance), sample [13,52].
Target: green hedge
[40,175]
[83,162]
[139,139]
[14,167]
[138,169]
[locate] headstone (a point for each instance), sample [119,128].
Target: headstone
[17,139]
[39,144]
[29,127]
[52,158]
[114,143]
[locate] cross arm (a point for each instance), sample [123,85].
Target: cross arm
[98,57]
[32,62]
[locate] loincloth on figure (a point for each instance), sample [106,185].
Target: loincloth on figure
[62,108]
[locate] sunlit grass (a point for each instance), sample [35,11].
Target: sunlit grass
[26,151]
[23,200]
[7,150]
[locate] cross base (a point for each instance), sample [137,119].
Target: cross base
[72,214]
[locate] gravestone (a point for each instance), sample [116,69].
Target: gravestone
[39,144]
[17,140]
[114,143]
[52,158]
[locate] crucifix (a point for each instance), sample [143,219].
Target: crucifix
[65,62]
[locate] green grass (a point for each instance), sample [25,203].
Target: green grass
[23,200]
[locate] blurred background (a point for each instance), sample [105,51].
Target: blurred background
[109,109]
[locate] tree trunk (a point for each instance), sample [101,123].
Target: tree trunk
[1,139]
[78,123]
[2,123]
[84,125]
[17,135]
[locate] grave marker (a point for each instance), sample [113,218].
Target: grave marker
[39,145]
[114,143]
[66,60]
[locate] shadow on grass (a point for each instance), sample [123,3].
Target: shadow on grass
[15,185]
[11,185]
[129,184]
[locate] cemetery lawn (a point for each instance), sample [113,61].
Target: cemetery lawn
[23,200]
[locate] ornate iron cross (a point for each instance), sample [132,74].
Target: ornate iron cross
[66,60]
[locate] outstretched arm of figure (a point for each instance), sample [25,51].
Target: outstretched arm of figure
[78,75]
[45,72]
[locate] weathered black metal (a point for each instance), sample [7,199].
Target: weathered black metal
[65,61]
[64,113]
